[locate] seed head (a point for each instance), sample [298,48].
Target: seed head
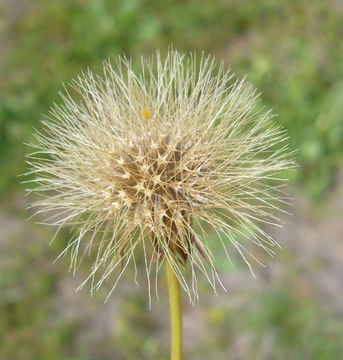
[156,160]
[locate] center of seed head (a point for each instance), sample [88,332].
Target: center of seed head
[156,174]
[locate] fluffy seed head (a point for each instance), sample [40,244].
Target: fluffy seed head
[156,160]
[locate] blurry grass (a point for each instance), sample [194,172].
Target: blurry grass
[291,50]
[296,327]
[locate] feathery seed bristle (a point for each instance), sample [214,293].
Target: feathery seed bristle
[197,155]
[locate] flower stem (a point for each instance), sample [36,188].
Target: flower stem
[175,314]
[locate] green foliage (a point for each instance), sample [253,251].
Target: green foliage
[29,326]
[295,325]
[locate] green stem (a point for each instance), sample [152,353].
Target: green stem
[175,314]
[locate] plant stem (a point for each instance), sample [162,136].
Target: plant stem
[175,314]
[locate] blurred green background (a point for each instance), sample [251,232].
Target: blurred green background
[290,50]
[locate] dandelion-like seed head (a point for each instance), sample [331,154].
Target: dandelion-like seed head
[156,160]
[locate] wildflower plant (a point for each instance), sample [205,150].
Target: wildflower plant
[152,161]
